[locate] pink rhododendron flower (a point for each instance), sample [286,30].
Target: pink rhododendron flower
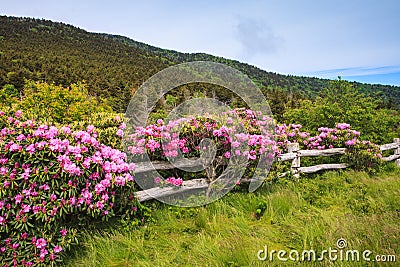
[343,126]
[174,181]
[57,249]
[41,243]
[18,198]
[18,113]
[15,147]
[351,142]
[90,128]
[2,220]
[63,232]
[120,133]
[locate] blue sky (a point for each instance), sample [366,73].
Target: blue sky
[356,39]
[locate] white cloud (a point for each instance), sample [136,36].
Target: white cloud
[257,37]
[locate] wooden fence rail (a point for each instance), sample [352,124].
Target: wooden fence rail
[294,154]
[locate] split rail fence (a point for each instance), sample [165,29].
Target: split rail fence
[294,154]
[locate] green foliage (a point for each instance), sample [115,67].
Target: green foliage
[260,208]
[342,102]
[10,90]
[51,103]
[8,96]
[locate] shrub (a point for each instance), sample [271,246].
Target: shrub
[54,180]
[360,155]
[51,103]
[238,135]
[341,102]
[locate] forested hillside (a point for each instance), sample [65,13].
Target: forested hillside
[59,53]
[308,86]
[113,67]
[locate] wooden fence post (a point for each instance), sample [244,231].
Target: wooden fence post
[397,150]
[294,148]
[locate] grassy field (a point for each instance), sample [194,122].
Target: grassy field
[310,213]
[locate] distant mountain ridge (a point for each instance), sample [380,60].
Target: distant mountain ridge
[113,66]
[308,85]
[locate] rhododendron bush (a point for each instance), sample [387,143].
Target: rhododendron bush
[234,133]
[228,146]
[54,180]
[360,155]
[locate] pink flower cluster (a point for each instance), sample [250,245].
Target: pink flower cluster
[157,139]
[174,181]
[41,244]
[237,133]
[340,136]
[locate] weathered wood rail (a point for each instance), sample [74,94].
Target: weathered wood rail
[294,154]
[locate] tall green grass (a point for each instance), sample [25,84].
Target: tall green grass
[310,213]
